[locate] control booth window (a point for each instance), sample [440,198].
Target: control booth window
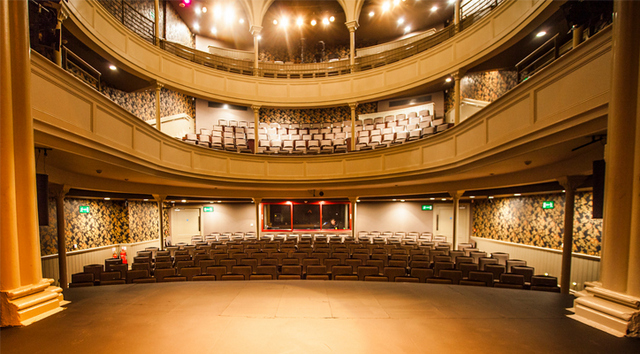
[309,216]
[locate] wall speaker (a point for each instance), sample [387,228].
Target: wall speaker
[598,189]
[42,182]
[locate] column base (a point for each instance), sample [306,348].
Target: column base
[615,313]
[28,304]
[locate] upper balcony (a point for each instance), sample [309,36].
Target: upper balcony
[399,67]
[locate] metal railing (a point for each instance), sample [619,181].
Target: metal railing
[80,68]
[538,59]
[471,12]
[131,18]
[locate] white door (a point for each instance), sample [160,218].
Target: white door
[443,221]
[185,222]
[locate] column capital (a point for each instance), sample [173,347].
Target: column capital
[59,190]
[63,14]
[255,30]
[352,25]
[456,194]
[353,105]
[158,86]
[257,200]
[255,108]
[571,182]
[354,200]
[159,197]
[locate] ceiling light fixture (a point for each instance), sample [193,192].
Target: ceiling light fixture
[472,196]
[275,22]
[299,21]
[396,2]
[198,11]
[184,200]
[219,201]
[332,18]
[432,198]
[325,21]
[214,31]
[146,200]
[451,2]
[204,9]
[541,34]
[434,8]
[490,197]
[112,67]
[196,26]
[241,21]
[517,194]
[400,20]
[407,29]
[371,14]
[284,22]
[107,198]
[393,200]
[226,106]
[259,37]
[447,79]
[402,200]
[444,199]
[313,22]
[386,6]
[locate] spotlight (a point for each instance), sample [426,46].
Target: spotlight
[196,26]
[313,22]
[407,29]
[241,21]
[448,79]
[275,22]
[112,67]
[198,11]
[204,9]
[386,6]
[299,21]
[184,200]
[396,2]
[371,14]
[259,37]
[107,198]
[332,18]
[541,34]
[517,194]
[400,20]
[284,22]
[434,8]
[214,31]
[226,106]
[325,21]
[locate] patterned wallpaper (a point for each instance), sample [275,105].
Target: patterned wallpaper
[107,223]
[522,220]
[484,86]
[315,115]
[284,53]
[143,104]
[177,31]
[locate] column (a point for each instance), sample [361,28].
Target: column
[256,128]
[456,15]
[569,183]
[160,201]
[577,35]
[352,26]
[455,196]
[156,20]
[257,202]
[158,114]
[60,191]
[457,96]
[621,131]
[353,125]
[354,208]
[21,274]
[255,31]
[62,15]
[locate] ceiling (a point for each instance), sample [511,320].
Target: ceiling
[382,26]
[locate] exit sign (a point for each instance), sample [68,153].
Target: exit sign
[548,204]
[427,207]
[84,209]
[207,209]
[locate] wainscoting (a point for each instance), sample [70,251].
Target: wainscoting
[583,267]
[76,260]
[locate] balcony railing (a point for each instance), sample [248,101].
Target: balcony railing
[471,11]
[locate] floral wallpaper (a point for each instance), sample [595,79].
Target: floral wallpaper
[107,223]
[484,86]
[522,220]
[143,104]
[314,115]
[177,31]
[273,52]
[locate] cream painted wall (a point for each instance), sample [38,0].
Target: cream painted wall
[436,97]
[393,216]
[207,116]
[229,218]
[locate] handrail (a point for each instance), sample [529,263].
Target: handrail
[524,71]
[471,11]
[92,78]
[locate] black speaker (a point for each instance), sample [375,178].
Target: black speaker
[598,189]
[42,182]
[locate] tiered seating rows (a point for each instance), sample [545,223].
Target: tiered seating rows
[428,262]
[316,138]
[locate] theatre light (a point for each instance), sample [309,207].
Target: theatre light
[448,79]
[107,198]
[434,9]
[541,34]
[112,67]
[313,22]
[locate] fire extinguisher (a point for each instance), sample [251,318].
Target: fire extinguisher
[115,254]
[123,255]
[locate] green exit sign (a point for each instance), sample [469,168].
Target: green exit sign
[548,204]
[207,209]
[427,207]
[84,209]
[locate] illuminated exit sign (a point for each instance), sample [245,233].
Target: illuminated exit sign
[84,209]
[427,207]
[548,204]
[207,209]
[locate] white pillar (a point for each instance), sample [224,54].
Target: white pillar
[352,26]
[257,202]
[255,31]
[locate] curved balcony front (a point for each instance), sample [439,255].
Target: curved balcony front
[462,50]
[540,120]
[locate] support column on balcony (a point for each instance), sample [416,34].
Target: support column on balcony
[62,15]
[352,26]
[159,87]
[353,107]
[256,128]
[569,183]
[257,202]
[255,32]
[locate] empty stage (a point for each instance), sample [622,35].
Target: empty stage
[310,317]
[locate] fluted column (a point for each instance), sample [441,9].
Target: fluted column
[569,183]
[255,32]
[256,128]
[21,273]
[353,107]
[352,26]
[455,196]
